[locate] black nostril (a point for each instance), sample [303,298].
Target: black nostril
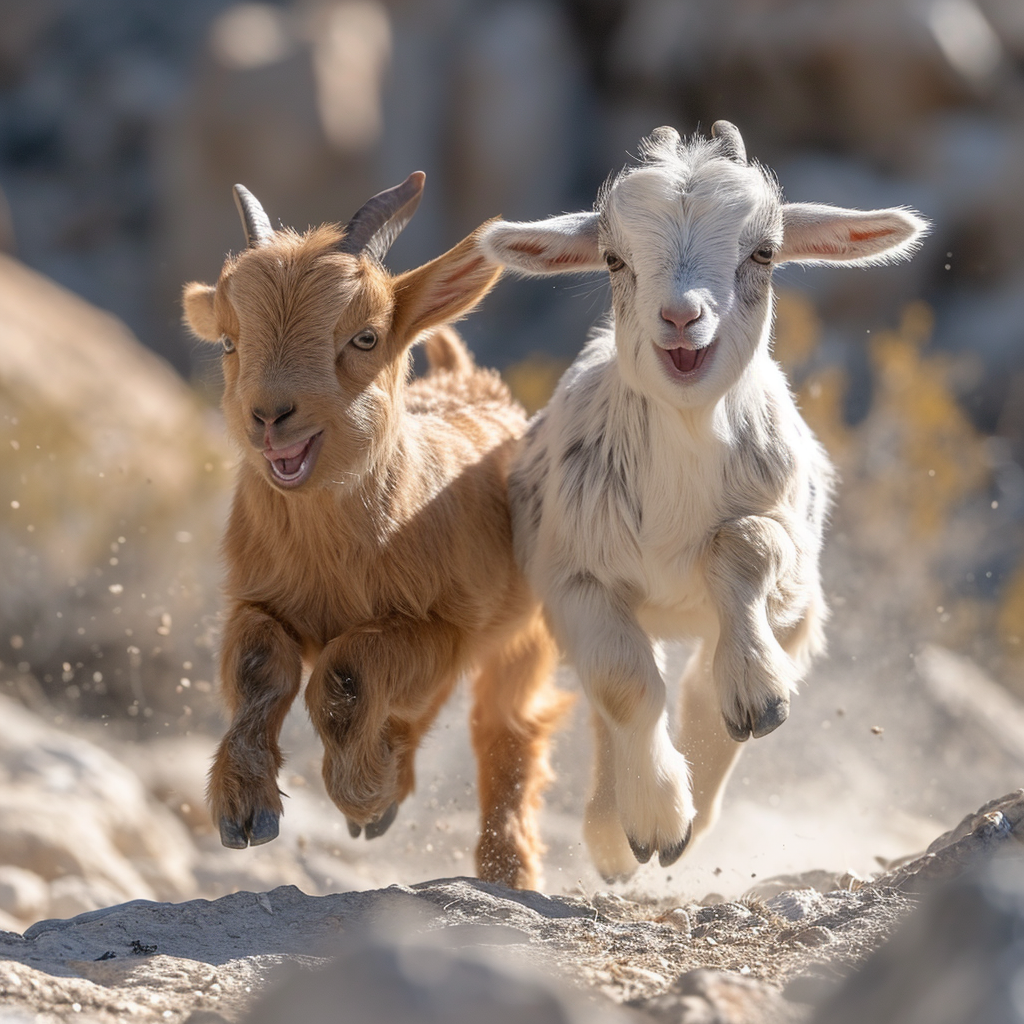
[282,412]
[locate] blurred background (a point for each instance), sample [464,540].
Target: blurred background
[123,125]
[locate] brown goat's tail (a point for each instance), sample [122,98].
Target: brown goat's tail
[446,350]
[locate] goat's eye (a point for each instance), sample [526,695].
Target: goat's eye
[763,255]
[365,339]
[227,344]
[614,262]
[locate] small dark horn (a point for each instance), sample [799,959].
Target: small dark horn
[731,141]
[379,221]
[666,134]
[255,223]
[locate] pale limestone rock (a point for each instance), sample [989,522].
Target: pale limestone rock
[23,894]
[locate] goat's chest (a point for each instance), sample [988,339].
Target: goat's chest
[322,583]
[682,499]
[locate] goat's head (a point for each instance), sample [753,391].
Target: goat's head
[316,335]
[689,238]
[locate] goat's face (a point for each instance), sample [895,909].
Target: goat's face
[315,348]
[689,239]
[689,245]
[310,363]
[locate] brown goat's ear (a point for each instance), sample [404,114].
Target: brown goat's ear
[197,300]
[443,289]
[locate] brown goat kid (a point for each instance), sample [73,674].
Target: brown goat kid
[370,537]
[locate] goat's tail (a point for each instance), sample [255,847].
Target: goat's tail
[446,350]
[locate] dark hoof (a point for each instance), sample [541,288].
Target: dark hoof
[354,830]
[740,733]
[673,853]
[641,851]
[383,823]
[775,713]
[264,828]
[232,835]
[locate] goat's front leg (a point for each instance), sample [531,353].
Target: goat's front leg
[745,565]
[261,670]
[372,692]
[650,778]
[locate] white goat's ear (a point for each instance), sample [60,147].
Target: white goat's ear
[558,245]
[443,289]
[815,233]
[197,301]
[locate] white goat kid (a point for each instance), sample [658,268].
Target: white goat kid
[671,489]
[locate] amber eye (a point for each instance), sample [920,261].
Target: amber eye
[227,344]
[763,255]
[614,262]
[365,339]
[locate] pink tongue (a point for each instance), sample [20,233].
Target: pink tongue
[685,359]
[288,467]
[288,460]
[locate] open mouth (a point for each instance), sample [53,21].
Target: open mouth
[686,364]
[290,466]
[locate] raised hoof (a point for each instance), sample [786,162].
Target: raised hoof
[264,828]
[383,823]
[673,853]
[354,830]
[641,851]
[776,711]
[740,733]
[232,835]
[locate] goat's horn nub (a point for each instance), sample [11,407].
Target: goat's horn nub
[255,222]
[379,221]
[666,134]
[731,141]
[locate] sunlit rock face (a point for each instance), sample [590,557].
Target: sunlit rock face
[112,496]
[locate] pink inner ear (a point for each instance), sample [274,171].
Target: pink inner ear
[827,249]
[462,270]
[867,236]
[569,259]
[566,259]
[526,249]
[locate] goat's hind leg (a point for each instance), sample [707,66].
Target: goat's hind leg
[602,828]
[515,709]
[745,563]
[620,676]
[261,670]
[702,737]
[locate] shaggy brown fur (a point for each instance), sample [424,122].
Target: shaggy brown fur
[388,570]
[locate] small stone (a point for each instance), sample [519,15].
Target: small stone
[678,919]
[816,936]
[796,905]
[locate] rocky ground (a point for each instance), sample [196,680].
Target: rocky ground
[574,958]
[105,847]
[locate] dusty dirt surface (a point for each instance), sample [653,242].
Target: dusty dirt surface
[801,880]
[204,961]
[874,762]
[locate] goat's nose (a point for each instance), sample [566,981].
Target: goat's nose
[682,314]
[266,417]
